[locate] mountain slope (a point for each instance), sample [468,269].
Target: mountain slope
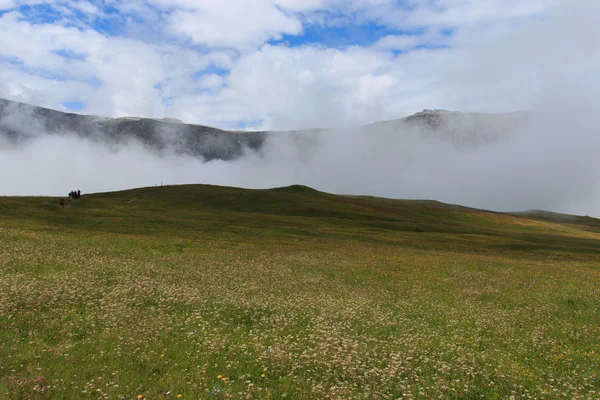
[218,292]
[462,129]
[21,122]
[300,210]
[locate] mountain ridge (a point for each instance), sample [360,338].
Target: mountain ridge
[20,122]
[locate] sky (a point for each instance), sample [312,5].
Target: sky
[265,64]
[292,64]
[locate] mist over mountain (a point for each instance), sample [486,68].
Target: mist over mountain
[507,162]
[21,123]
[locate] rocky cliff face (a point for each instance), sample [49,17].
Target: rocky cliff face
[21,122]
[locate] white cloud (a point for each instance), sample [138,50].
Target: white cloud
[6,4]
[284,87]
[304,87]
[210,81]
[128,70]
[233,23]
[457,13]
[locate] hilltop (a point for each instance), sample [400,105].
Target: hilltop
[370,218]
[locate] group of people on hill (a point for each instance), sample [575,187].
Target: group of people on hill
[72,196]
[75,194]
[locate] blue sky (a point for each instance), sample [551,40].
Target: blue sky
[114,22]
[330,62]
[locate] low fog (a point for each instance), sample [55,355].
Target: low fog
[550,164]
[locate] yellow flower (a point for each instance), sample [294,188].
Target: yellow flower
[140,396]
[219,377]
[162,355]
[262,375]
[178,396]
[223,379]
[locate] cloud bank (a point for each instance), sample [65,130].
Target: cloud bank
[550,163]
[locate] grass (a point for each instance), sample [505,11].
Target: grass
[213,292]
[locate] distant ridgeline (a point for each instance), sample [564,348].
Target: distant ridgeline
[22,122]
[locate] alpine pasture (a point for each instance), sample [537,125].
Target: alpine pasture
[211,292]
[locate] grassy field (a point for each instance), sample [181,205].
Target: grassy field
[209,292]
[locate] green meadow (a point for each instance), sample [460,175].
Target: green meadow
[202,292]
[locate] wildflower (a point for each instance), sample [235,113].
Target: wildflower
[219,376]
[140,396]
[162,355]
[178,396]
[262,375]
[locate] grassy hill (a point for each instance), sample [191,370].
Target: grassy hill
[216,292]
